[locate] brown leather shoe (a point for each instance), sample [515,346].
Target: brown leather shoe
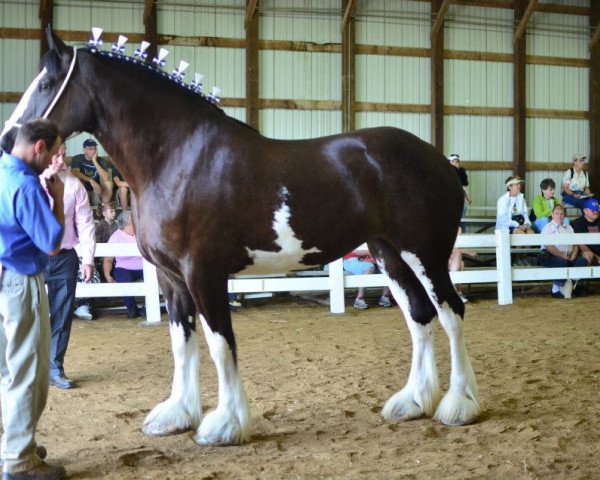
[43,472]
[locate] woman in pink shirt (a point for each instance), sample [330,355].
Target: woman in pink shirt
[126,269]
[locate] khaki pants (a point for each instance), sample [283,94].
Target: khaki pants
[24,353]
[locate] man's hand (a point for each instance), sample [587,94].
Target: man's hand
[54,185]
[96,186]
[87,272]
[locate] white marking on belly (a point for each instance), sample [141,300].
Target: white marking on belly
[23,104]
[288,257]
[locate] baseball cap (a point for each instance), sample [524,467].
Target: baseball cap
[90,142]
[592,204]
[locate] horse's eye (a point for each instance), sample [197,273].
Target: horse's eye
[44,87]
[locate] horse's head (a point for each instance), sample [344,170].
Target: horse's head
[51,94]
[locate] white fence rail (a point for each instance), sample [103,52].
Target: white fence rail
[336,282]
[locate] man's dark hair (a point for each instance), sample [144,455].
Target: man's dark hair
[547,183]
[37,129]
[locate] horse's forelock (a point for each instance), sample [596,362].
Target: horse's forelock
[52,61]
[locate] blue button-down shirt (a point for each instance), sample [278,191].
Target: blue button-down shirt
[28,228]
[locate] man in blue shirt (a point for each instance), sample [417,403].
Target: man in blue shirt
[30,230]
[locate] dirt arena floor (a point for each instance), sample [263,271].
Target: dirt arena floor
[316,384]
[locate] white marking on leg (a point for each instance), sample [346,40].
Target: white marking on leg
[23,103]
[421,394]
[183,409]
[460,405]
[230,422]
[290,254]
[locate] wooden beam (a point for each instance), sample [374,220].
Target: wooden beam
[46,18]
[525,20]
[348,12]
[437,81]
[348,68]
[595,38]
[519,94]
[594,101]
[151,28]
[252,68]
[250,10]
[439,19]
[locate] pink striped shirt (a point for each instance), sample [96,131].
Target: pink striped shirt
[79,220]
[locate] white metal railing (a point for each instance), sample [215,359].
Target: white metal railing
[334,281]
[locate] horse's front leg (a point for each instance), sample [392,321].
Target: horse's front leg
[229,423]
[182,410]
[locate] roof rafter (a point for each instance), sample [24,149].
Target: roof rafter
[440,18]
[347,14]
[250,10]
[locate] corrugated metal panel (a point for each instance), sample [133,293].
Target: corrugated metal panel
[486,187]
[556,139]
[19,60]
[300,75]
[418,124]
[478,29]
[393,22]
[299,124]
[19,14]
[239,113]
[558,35]
[381,78]
[116,17]
[482,84]
[315,21]
[557,87]
[212,18]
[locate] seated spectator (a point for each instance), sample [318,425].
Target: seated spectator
[512,212]
[122,189]
[126,269]
[104,229]
[560,256]
[93,172]
[543,205]
[589,223]
[456,264]
[576,183]
[362,263]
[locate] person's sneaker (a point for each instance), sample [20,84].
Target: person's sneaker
[40,450]
[61,381]
[43,472]
[567,289]
[360,303]
[83,312]
[234,304]
[557,295]
[462,296]
[384,301]
[134,313]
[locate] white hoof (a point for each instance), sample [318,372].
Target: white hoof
[220,427]
[169,418]
[408,405]
[458,408]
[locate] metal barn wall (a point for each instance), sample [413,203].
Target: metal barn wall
[394,79]
[479,83]
[298,75]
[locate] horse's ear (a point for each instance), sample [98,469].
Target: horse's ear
[55,43]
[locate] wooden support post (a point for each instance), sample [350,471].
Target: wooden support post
[252,66]
[151,27]
[524,20]
[46,14]
[348,68]
[437,80]
[594,93]
[519,118]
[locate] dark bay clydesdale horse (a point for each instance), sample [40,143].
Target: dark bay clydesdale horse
[215,198]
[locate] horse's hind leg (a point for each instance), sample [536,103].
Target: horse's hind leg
[230,422]
[182,410]
[460,405]
[421,394]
